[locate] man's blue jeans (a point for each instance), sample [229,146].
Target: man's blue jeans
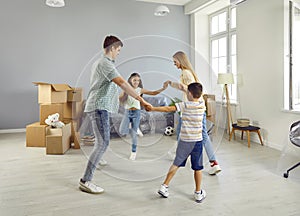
[101,129]
[205,141]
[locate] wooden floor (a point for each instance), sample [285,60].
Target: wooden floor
[33,183]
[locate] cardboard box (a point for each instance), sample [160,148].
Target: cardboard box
[77,140]
[75,95]
[67,110]
[36,135]
[52,93]
[49,109]
[58,139]
[72,110]
[210,103]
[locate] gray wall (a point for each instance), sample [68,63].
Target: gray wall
[56,45]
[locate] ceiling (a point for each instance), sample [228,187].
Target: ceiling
[172,2]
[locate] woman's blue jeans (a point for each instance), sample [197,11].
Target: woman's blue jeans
[205,139]
[133,117]
[101,129]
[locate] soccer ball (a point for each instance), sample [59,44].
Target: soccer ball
[169,131]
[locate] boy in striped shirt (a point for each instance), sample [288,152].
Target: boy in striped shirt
[190,142]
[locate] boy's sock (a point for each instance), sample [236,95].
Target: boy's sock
[212,163]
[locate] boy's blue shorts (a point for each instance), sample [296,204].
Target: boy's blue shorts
[186,149]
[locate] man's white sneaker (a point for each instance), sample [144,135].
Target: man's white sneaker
[200,196]
[90,187]
[214,168]
[102,162]
[132,156]
[139,133]
[163,191]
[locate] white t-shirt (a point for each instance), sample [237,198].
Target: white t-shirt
[131,102]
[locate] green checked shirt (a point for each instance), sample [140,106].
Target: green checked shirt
[103,94]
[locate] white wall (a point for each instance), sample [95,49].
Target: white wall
[261,56]
[39,43]
[261,50]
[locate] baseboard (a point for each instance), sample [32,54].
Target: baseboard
[20,130]
[254,138]
[274,145]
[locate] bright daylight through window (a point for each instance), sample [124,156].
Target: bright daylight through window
[294,56]
[223,45]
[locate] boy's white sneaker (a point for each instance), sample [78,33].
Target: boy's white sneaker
[163,191]
[90,187]
[132,156]
[200,196]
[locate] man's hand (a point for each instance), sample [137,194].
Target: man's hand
[148,106]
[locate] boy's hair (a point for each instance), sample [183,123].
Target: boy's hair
[195,89]
[111,41]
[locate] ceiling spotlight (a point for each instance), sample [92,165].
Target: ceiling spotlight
[161,10]
[55,3]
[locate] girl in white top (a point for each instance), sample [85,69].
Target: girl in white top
[133,109]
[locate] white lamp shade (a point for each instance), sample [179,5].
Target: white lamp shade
[161,10]
[55,3]
[225,78]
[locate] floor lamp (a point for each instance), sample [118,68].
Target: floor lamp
[227,78]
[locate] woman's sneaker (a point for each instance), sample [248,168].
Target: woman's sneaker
[214,168]
[163,191]
[200,196]
[90,187]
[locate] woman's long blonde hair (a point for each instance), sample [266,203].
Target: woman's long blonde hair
[185,63]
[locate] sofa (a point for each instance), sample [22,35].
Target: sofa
[151,122]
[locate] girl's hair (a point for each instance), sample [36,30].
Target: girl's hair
[125,96]
[185,63]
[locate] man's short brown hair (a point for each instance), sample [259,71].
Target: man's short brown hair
[110,41]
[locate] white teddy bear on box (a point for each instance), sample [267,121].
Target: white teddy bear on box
[53,121]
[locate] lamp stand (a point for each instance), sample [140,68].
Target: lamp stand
[229,116]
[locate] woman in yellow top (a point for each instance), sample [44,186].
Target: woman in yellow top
[188,76]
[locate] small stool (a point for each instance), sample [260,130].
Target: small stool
[248,129]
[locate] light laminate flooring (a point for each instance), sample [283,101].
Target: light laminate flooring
[251,182]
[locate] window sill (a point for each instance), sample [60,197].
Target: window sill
[291,111]
[225,103]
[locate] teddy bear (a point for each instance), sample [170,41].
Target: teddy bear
[53,121]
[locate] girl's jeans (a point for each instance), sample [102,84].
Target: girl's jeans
[133,117]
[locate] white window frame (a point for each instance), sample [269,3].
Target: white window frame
[292,95]
[228,35]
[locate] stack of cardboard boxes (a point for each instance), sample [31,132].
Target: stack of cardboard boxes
[67,102]
[210,103]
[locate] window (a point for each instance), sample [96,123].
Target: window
[294,56]
[223,45]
